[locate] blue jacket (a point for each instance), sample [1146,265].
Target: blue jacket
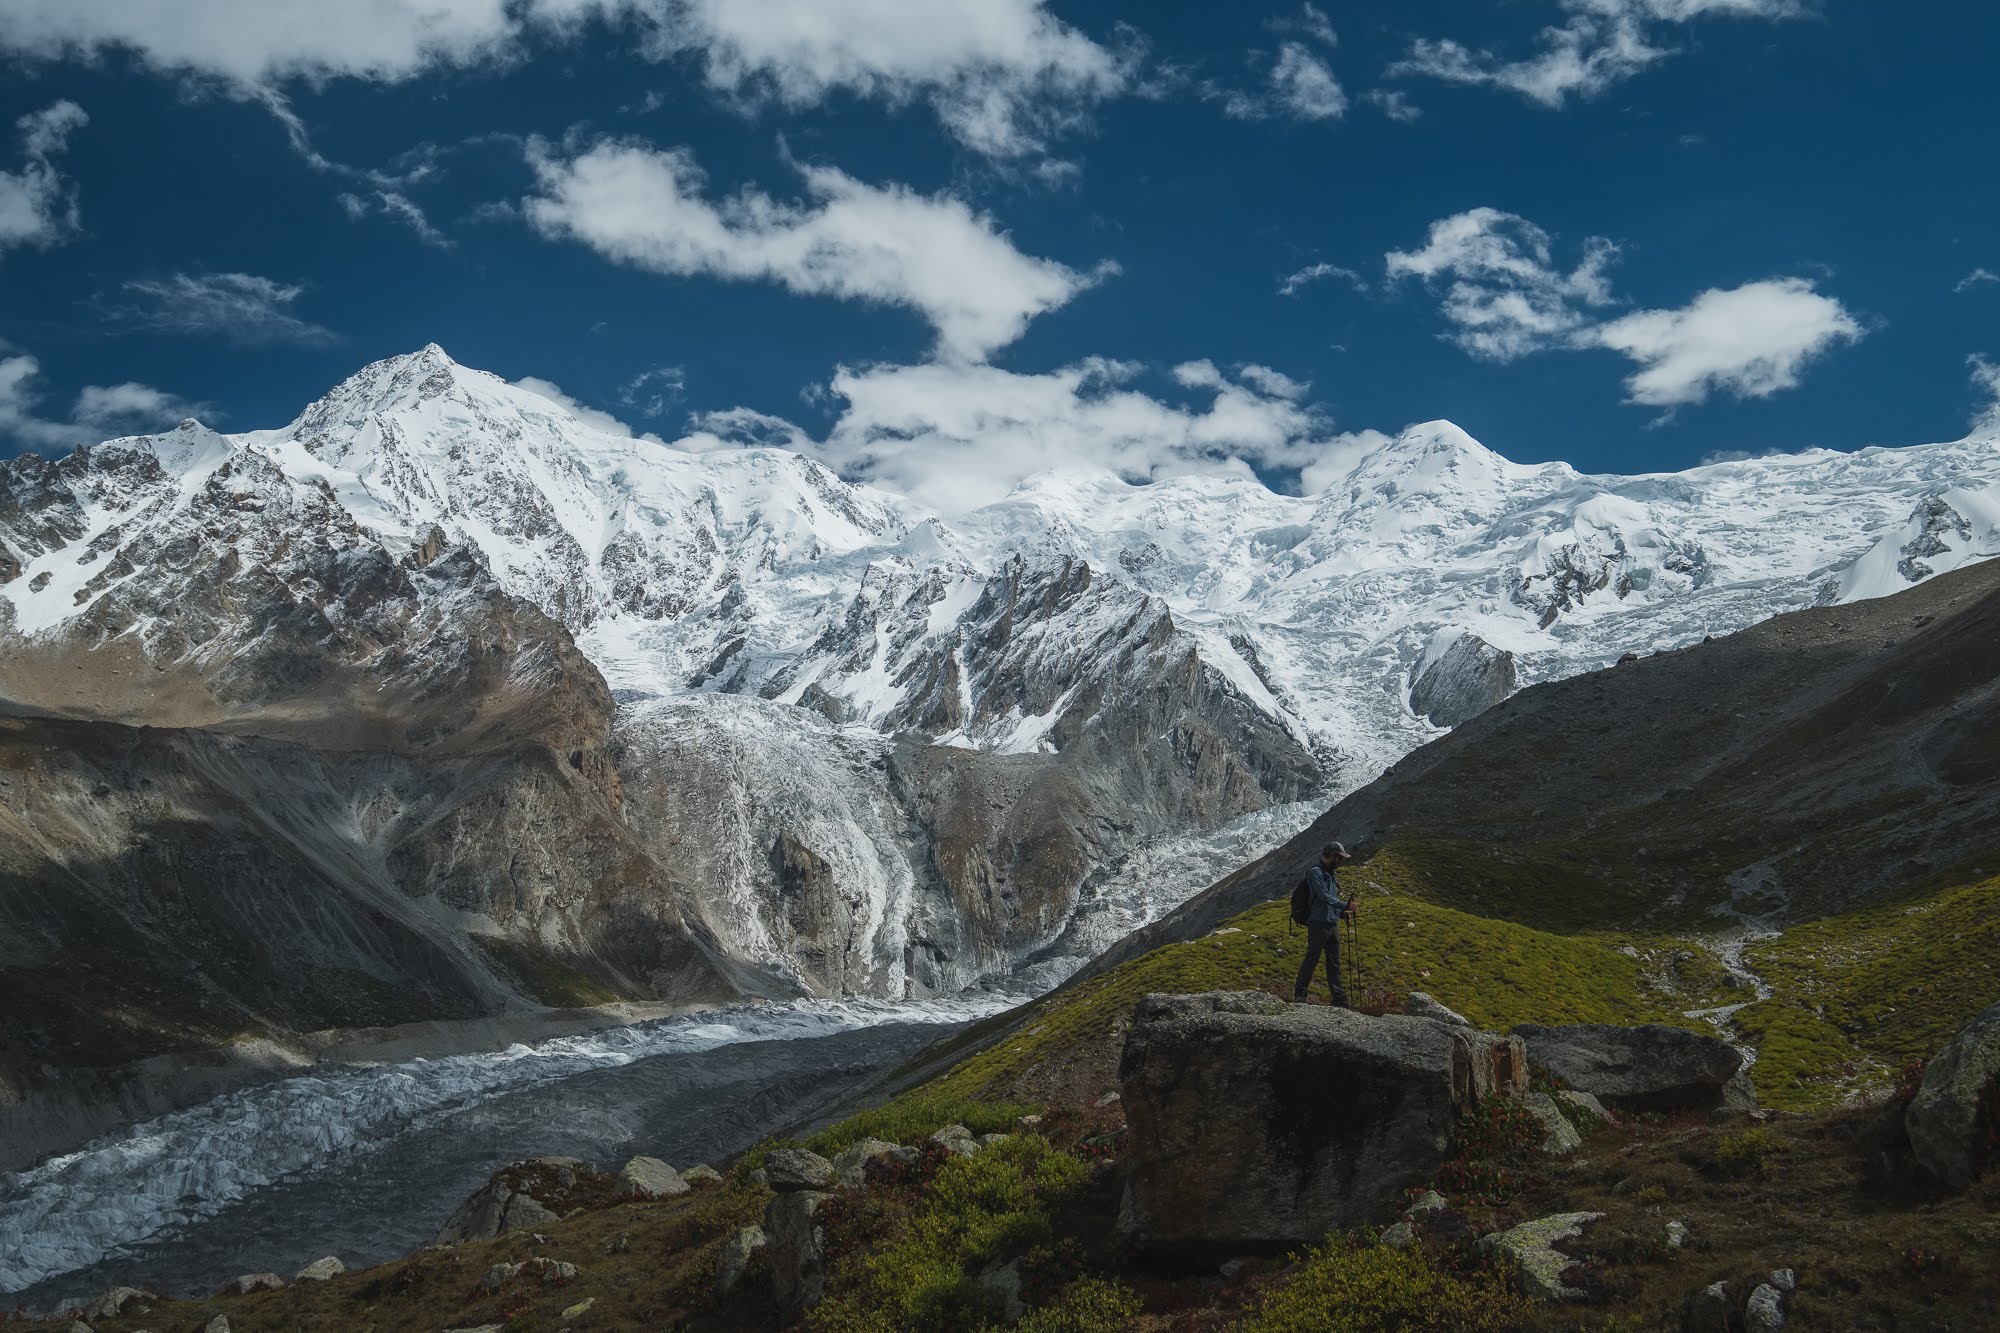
[1327,904]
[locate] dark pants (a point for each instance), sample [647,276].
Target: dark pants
[1322,939]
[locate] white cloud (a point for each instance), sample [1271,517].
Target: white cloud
[585,413]
[241,307]
[1503,293]
[1974,279]
[1273,383]
[1338,457]
[889,245]
[1986,378]
[1505,297]
[1312,21]
[654,391]
[1599,44]
[1393,103]
[1299,86]
[37,206]
[1750,341]
[1001,75]
[99,412]
[1311,273]
[397,207]
[958,436]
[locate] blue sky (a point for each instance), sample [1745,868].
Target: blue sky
[944,243]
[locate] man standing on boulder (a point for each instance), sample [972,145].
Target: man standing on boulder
[1323,925]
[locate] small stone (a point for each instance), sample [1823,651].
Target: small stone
[1765,1312]
[219,1324]
[252,1282]
[1028,1124]
[1002,1285]
[1585,1104]
[735,1260]
[1677,1234]
[499,1276]
[1559,1137]
[1430,1201]
[988,1140]
[553,1270]
[581,1307]
[790,1169]
[621,1243]
[956,1140]
[651,1178]
[1783,1279]
[1400,1237]
[1708,1310]
[1232,1268]
[112,1304]
[702,1175]
[319,1270]
[1108,1099]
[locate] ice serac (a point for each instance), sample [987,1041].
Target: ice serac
[593,714]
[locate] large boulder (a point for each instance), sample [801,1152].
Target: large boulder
[796,1249]
[529,1196]
[1531,1248]
[1256,1125]
[651,1178]
[1943,1118]
[787,1170]
[1646,1068]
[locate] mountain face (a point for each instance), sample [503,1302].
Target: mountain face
[1802,767]
[560,709]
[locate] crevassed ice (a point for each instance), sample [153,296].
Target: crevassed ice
[121,1190]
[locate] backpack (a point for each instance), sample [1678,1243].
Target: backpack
[1302,902]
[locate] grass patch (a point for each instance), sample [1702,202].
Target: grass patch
[544,977]
[1357,1287]
[1857,996]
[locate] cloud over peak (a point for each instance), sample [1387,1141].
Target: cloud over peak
[888,245]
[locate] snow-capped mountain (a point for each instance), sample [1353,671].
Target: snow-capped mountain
[879,749]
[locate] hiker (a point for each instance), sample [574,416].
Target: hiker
[1325,911]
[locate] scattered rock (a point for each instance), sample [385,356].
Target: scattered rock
[78,1326]
[1943,1117]
[498,1276]
[1531,1246]
[1765,1312]
[1108,1099]
[1559,1137]
[956,1140]
[1647,1068]
[1582,1107]
[651,1178]
[1430,1201]
[1420,1005]
[500,1206]
[319,1270]
[1232,1268]
[554,1270]
[1707,1310]
[796,1248]
[702,1175]
[734,1264]
[580,1308]
[1302,1119]
[219,1324]
[988,1140]
[1002,1285]
[760,1176]
[1783,1279]
[112,1304]
[1400,1237]
[1028,1124]
[789,1169]
[1677,1235]
[852,1164]
[252,1282]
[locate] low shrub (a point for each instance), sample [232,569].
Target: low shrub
[1088,1305]
[1350,1285]
[1749,1152]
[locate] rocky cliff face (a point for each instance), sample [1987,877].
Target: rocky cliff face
[576,710]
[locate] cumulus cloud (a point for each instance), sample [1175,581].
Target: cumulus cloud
[1393,103]
[1504,296]
[241,307]
[1502,291]
[1975,278]
[956,436]
[1750,341]
[1298,86]
[37,206]
[1600,43]
[1986,379]
[99,412]
[1001,75]
[889,245]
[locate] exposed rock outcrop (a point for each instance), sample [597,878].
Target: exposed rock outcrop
[796,1248]
[1651,1067]
[1461,678]
[1531,1247]
[1256,1125]
[1943,1120]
